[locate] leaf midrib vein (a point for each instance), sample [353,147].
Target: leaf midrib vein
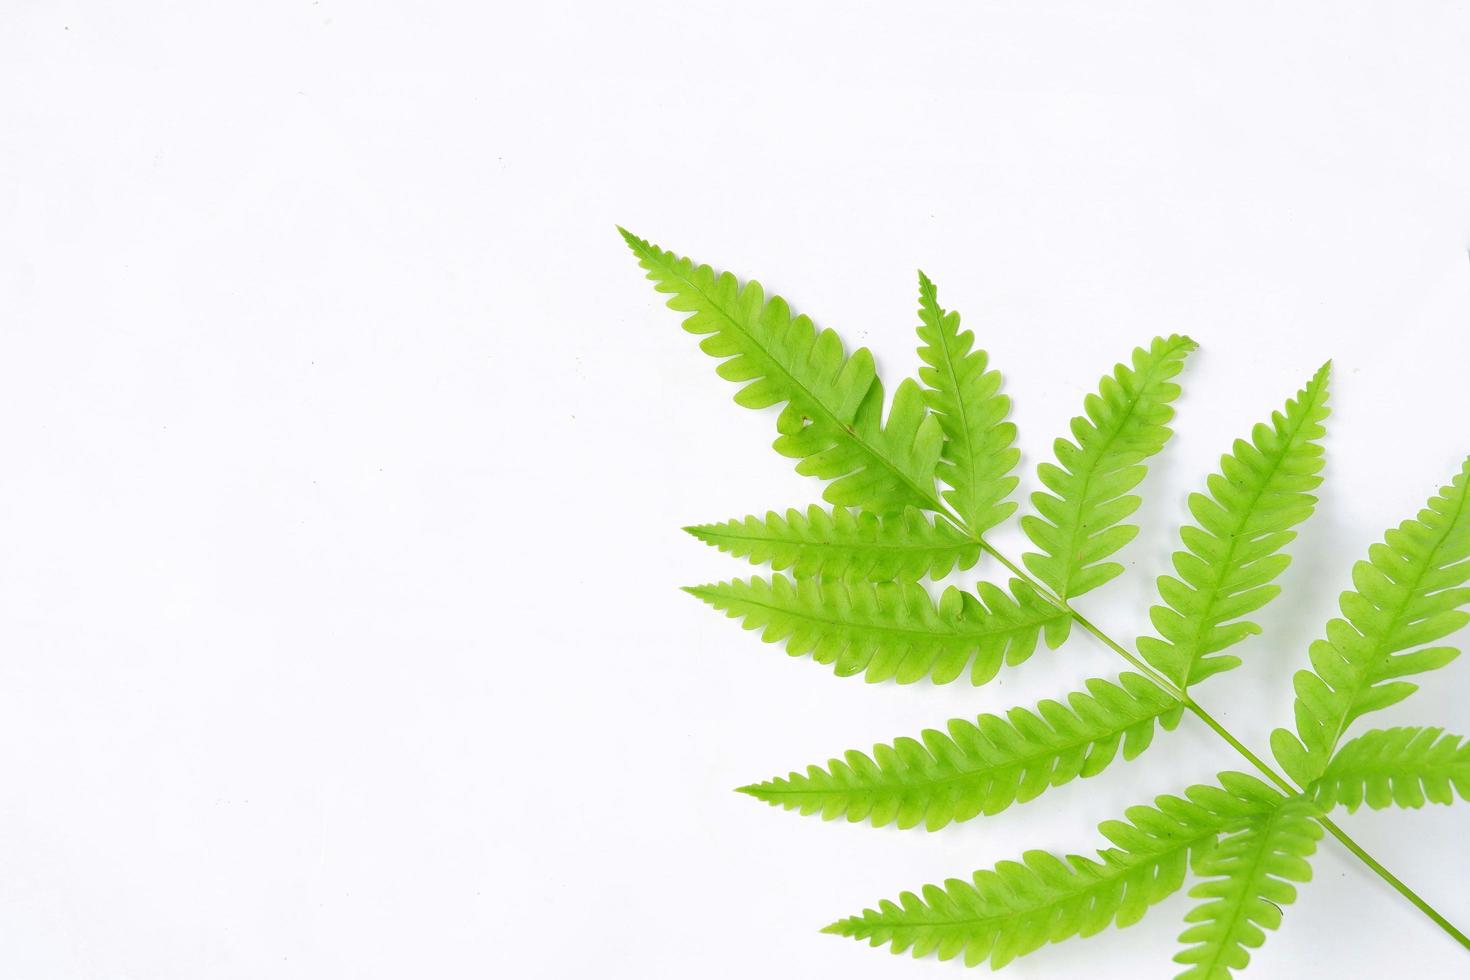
[971,457]
[1232,546]
[1247,888]
[1072,544]
[1031,623]
[843,546]
[1361,681]
[1102,881]
[1023,761]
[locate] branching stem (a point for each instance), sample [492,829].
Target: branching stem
[1182,696]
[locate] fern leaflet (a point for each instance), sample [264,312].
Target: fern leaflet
[1126,422]
[977,457]
[1402,767]
[1261,492]
[982,766]
[846,544]
[1408,595]
[893,629]
[1018,907]
[1250,875]
[832,421]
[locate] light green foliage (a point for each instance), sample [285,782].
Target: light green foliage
[982,766]
[846,544]
[913,499]
[1409,594]
[1018,907]
[1126,422]
[1248,878]
[893,629]
[1261,492]
[832,420]
[965,397]
[1402,767]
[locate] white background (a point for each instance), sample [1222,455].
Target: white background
[344,451]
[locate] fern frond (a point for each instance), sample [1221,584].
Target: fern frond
[893,629]
[1262,491]
[832,421]
[982,766]
[1126,422]
[1018,907]
[1396,767]
[1250,876]
[977,457]
[843,543]
[1408,595]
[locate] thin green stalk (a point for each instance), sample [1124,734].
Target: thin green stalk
[1393,880]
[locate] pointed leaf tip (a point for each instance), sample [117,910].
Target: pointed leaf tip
[633,241]
[928,292]
[829,422]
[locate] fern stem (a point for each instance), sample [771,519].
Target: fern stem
[1266,769]
[1393,880]
[1157,678]
[1260,764]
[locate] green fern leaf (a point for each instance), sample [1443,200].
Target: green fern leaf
[1250,877]
[1126,422]
[977,457]
[912,494]
[893,629]
[1261,492]
[1408,595]
[982,766]
[849,544]
[832,422]
[1397,767]
[1018,907]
